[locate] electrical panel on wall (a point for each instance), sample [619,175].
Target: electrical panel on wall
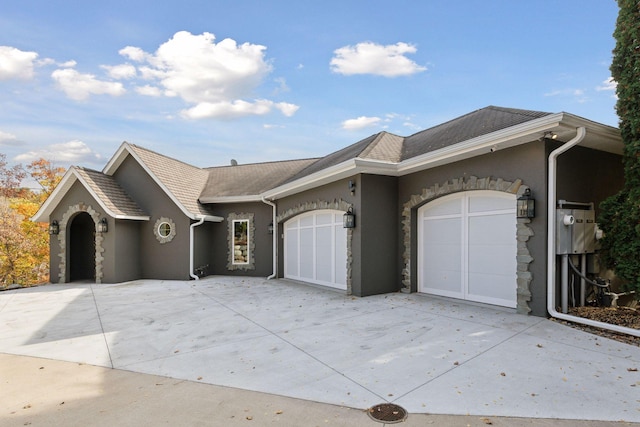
[575,230]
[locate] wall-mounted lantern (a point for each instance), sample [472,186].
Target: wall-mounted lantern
[103,227]
[526,207]
[54,227]
[270,227]
[349,219]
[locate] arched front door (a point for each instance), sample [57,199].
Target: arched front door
[82,248]
[467,247]
[315,248]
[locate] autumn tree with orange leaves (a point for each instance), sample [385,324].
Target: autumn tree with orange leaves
[24,245]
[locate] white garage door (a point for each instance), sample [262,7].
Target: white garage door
[467,247]
[315,248]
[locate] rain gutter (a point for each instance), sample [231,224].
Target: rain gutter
[551,244]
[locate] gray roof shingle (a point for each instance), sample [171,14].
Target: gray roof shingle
[472,125]
[249,179]
[183,181]
[110,193]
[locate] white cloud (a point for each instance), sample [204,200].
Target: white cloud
[80,86]
[134,53]
[68,64]
[8,139]
[608,84]
[16,64]
[360,123]
[215,77]
[71,152]
[237,108]
[119,72]
[372,58]
[148,90]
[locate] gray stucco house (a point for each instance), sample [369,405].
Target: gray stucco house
[435,212]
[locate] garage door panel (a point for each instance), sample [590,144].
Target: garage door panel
[316,248]
[471,255]
[306,253]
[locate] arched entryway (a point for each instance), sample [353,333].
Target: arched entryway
[82,248]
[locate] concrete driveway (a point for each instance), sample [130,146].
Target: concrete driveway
[426,354]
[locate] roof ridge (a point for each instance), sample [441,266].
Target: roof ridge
[261,163]
[162,155]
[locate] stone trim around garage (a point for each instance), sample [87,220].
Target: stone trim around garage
[62,240]
[336,204]
[523,231]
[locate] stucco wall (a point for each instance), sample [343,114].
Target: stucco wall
[263,249]
[158,260]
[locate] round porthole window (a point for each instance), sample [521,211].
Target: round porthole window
[165,230]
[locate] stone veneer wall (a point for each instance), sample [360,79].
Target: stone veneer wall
[523,231]
[336,204]
[62,240]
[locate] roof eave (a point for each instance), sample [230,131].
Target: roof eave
[498,140]
[230,199]
[334,173]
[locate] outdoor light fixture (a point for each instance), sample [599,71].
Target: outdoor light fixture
[270,227]
[349,219]
[54,228]
[550,135]
[526,206]
[102,226]
[352,187]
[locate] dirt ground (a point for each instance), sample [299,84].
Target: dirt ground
[621,316]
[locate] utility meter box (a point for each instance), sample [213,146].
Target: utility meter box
[575,231]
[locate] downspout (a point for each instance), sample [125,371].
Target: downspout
[551,245]
[274,239]
[191,248]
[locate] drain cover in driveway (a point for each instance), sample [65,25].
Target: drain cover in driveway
[387,413]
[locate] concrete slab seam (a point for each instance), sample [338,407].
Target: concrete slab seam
[104,336]
[296,347]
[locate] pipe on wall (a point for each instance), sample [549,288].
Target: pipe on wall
[551,244]
[274,238]
[191,248]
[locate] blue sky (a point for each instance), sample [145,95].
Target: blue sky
[209,81]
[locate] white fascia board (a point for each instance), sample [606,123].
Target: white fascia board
[230,199]
[325,176]
[209,218]
[504,138]
[119,157]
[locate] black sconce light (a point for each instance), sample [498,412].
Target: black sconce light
[54,227]
[270,227]
[103,227]
[526,206]
[352,187]
[349,219]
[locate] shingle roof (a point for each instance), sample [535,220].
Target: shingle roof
[249,179]
[183,181]
[385,146]
[110,193]
[472,125]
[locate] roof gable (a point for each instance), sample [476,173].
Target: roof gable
[182,182]
[112,198]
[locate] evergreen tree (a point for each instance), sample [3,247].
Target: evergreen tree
[620,213]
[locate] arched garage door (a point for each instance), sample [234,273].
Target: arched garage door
[467,247]
[316,248]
